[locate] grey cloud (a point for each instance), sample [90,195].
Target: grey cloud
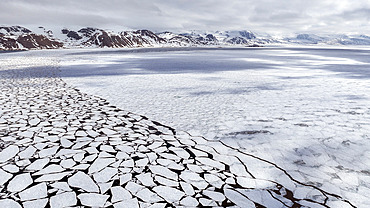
[361,14]
[262,16]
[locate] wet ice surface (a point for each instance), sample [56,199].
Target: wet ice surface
[304,109]
[283,127]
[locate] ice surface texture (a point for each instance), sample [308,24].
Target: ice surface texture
[305,109]
[72,149]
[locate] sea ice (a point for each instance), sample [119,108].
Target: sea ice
[119,194]
[20,182]
[66,199]
[8,153]
[83,181]
[40,203]
[34,192]
[162,171]
[171,195]
[92,199]
[100,163]
[8,203]
[4,177]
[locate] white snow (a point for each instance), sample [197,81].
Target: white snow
[4,177]
[189,190]
[166,182]
[50,169]
[125,178]
[28,152]
[68,163]
[62,186]
[8,153]
[171,195]
[105,175]
[237,198]
[100,164]
[216,196]
[213,180]
[41,203]
[8,203]
[133,187]
[48,152]
[34,122]
[119,194]
[301,108]
[19,182]
[11,168]
[127,203]
[194,179]
[52,177]
[189,202]
[83,181]
[146,179]
[38,164]
[66,199]
[163,171]
[93,200]
[148,196]
[34,192]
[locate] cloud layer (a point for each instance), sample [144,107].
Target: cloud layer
[270,16]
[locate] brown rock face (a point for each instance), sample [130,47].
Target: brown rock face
[15,29]
[74,35]
[8,43]
[111,41]
[103,39]
[142,37]
[150,34]
[88,31]
[33,41]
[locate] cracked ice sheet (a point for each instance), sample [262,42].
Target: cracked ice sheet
[304,109]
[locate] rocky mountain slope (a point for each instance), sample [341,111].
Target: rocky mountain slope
[20,38]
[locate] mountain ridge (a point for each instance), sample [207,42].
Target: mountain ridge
[21,38]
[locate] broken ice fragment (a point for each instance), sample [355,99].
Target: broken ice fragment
[20,182]
[8,203]
[189,202]
[41,203]
[83,181]
[148,196]
[8,153]
[93,200]
[162,171]
[35,192]
[100,164]
[171,195]
[38,164]
[119,194]
[66,199]
[4,177]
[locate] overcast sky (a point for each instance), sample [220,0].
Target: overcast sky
[270,16]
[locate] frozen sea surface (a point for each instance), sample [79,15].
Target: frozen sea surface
[296,117]
[305,109]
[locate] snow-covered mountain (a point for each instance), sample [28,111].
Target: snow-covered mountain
[17,38]
[93,37]
[227,38]
[189,39]
[20,38]
[313,39]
